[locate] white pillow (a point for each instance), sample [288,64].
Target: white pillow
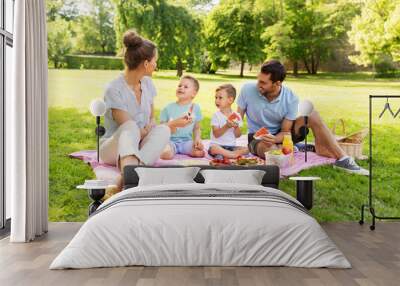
[248,177]
[166,176]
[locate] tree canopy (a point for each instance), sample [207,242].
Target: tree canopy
[205,35]
[233,32]
[95,31]
[175,31]
[59,41]
[375,33]
[308,32]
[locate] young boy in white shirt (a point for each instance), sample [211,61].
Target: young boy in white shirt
[225,126]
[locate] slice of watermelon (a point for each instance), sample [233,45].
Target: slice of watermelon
[261,132]
[234,117]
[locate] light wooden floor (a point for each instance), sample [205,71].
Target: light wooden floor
[375,257]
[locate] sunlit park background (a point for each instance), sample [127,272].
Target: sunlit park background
[336,53]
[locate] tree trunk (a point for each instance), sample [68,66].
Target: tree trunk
[273,10]
[295,68]
[313,64]
[242,68]
[317,63]
[314,68]
[179,68]
[307,67]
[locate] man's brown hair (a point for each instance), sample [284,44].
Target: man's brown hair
[230,90]
[276,70]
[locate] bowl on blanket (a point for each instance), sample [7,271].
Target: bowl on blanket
[276,157]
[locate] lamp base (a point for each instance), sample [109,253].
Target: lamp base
[305,141]
[100,130]
[96,195]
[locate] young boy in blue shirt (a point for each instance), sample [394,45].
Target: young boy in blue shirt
[185,140]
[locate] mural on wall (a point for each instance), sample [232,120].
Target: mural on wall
[337,55]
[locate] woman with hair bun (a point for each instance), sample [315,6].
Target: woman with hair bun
[132,137]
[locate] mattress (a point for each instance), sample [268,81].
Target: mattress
[201,225]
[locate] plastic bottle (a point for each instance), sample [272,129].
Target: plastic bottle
[287,144]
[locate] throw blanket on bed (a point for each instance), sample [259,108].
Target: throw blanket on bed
[205,194]
[200,225]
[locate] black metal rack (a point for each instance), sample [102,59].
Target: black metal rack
[370,203]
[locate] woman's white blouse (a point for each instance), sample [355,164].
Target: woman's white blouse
[118,95]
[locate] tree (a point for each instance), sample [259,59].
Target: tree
[176,32]
[87,35]
[392,27]
[95,32]
[280,45]
[66,9]
[53,8]
[233,32]
[201,6]
[375,34]
[309,32]
[179,38]
[270,11]
[59,41]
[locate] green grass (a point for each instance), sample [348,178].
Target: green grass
[338,195]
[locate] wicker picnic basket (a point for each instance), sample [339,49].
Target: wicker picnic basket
[351,144]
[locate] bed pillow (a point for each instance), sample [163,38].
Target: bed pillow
[248,177]
[166,176]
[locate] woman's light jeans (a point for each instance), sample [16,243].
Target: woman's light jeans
[126,141]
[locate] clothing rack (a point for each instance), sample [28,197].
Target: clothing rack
[370,205]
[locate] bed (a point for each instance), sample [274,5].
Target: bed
[197,224]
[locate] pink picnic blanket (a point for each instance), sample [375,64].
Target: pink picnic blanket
[108,172]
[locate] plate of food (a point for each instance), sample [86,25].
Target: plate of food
[220,162]
[242,161]
[261,132]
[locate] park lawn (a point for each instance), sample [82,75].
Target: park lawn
[338,195]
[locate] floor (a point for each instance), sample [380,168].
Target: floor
[375,257]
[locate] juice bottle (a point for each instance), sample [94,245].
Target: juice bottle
[287,145]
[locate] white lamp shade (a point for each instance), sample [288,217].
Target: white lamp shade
[305,108]
[97,107]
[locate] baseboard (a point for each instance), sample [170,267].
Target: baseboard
[5,231]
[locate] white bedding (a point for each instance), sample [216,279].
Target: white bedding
[183,231]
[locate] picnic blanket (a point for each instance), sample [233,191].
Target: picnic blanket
[108,172]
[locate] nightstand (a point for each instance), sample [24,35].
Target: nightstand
[96,190]
[304,190]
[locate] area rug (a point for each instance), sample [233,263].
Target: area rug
[108,172]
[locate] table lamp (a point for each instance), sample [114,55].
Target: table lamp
[98,108]
[305,109]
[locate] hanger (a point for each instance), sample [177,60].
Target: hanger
[387,107]
[397,113]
